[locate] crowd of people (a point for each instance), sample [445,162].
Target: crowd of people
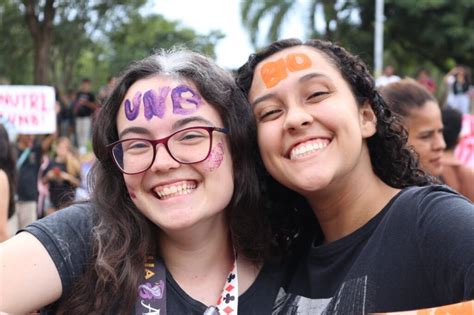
[300,185]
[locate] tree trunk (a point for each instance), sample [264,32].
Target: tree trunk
[42,34]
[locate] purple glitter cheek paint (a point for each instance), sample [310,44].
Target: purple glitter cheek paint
[215,157]
[178,100]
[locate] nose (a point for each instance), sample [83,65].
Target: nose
[163,161]
[439,144]
[297,117]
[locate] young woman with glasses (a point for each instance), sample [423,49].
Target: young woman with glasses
[174,225]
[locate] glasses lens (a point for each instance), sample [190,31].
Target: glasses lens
[190,146]
[133,156]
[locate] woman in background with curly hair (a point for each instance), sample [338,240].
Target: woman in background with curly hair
[7,183]
[385,238]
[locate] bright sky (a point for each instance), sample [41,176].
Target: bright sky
[224,15]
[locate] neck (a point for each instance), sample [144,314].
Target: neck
[350,203]
[199,259]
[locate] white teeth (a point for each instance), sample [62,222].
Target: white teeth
[175,190]
[306,149]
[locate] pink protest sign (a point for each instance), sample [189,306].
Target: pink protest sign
[29,108]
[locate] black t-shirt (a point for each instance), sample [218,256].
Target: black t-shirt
[67,237]
[27,185]
[83,110]
[418,252]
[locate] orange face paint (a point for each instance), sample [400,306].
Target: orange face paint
[297,62]
[273,72]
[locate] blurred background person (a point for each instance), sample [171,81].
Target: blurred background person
[388,76]
[65,115]
[423,77]
[421,116]
[84,107]
[7,183]
[62,175]
[455,174]
[106,89]
[29,152]
[458,82]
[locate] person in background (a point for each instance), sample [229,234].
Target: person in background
[376,235]
[105,91]
[423,77]
[455,174]
[175,223]
[458,82]
[388,76]
[66,119]
[421,116]
[7,183]
[83,110]
[29,152]
[62,175]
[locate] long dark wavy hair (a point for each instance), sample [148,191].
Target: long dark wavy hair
[122,236]
[392,161]
[8,165]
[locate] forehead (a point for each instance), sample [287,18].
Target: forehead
[160,101]
[428,114]
[271,72]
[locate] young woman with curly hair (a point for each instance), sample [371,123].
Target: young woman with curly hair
[373,233]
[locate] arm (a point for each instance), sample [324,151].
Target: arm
[4,202]
[28,276]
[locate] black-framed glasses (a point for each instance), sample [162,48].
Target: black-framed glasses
[186,146]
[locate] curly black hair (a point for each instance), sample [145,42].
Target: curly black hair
[392,161]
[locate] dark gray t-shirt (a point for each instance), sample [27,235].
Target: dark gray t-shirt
[67,237]
[418,252]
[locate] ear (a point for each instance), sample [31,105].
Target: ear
[368,120]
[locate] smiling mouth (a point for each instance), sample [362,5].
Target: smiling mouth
[308,147]
[175,189]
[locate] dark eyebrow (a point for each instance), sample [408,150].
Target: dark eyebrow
[138,130]
[177,125]
[309,76]
[303,79]
[183,122]
[262,98]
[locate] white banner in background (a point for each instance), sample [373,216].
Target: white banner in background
[29,108]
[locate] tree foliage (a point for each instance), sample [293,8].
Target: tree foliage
[141,36]
[432,33]
[93,39]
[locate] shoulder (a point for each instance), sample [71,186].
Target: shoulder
[3,177]
[75,220]
[431,207]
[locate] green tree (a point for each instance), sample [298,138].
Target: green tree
[141,36]
[15,45]
[257,12]
[44,17]
[434,33]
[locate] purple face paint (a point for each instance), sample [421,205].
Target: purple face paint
[216,157]
[178,100]
[161,106]
[132,113]
[150,102]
